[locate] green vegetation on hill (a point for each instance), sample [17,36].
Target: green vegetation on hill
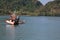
[52,8]
[30,7]
[23,7]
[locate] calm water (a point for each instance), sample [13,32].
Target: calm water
[35,28]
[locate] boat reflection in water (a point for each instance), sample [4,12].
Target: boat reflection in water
[10,32]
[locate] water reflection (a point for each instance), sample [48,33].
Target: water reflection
[10,32]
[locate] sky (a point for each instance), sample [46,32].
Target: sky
[44,1]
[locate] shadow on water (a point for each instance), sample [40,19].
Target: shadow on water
[10,32]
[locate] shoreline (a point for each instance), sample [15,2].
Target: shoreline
[32,16]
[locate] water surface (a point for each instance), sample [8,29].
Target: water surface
[35,28]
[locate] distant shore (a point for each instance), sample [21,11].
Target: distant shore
[31,15]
